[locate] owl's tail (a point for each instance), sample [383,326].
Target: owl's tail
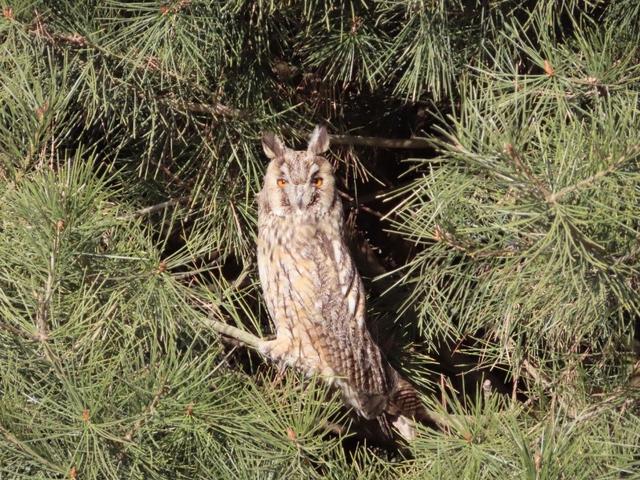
[404,409]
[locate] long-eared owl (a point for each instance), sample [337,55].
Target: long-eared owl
[312,289]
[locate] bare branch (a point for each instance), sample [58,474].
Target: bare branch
[524,168]
[44,299]
[359,205]
[378,142]
[245,338]
[215,109]
[159,206]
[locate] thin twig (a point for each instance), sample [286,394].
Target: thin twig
[155,208]
[145,413]
[443,402]
[523,167]
[359,205]
[44,301]
[11,438]
[335,428]
[378,142]
[215,109]
[536,374]
[379,194]
[554,197]
[19,332]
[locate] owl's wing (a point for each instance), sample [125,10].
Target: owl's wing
[352,353]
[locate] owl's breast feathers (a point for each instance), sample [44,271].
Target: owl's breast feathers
[317,301]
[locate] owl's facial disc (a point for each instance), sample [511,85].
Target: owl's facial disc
[300,184]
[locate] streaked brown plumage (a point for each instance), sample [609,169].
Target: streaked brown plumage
[312,289]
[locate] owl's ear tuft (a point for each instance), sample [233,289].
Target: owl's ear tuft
[319,141]
[272,145]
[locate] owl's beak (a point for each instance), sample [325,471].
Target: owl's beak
[299,196]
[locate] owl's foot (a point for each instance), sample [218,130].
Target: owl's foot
[277,349]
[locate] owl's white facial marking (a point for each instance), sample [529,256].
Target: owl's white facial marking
[298,183]
[301,184]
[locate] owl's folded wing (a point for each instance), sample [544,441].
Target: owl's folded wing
[353,354]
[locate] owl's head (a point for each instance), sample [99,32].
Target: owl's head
[298,181]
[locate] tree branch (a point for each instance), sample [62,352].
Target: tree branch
[11,438]
[148,410]
[159,206]
[359,205]
[524,168]
[59,40]
[587,182]
[17,331]
[378,142]
[215,108]
[245,338]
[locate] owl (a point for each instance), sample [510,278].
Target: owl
[312,288]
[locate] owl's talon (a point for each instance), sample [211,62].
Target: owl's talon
[265,348]
[275,349]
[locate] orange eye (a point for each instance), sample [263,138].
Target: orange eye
[281,182]
[317,181]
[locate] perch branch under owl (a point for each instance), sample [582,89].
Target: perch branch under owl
[241,336]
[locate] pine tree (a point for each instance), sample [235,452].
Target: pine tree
[488,156]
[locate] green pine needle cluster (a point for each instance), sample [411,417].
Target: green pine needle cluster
[500,245]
